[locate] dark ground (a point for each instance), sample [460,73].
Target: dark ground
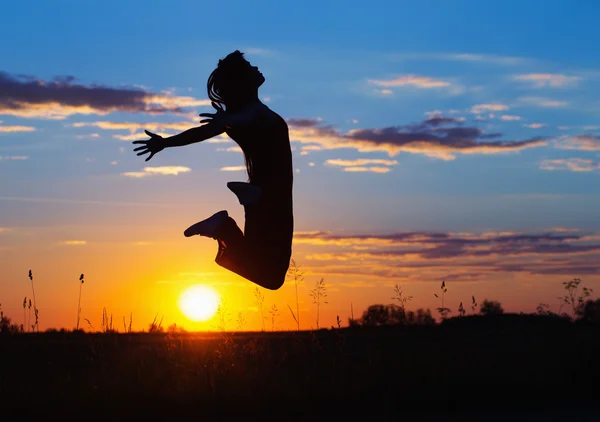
[510,367]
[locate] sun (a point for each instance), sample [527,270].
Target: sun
[199,302]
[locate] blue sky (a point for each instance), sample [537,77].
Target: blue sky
[455,117]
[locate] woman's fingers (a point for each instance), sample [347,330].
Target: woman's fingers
[217,106]
[143,152]
[150,134]
[207,115]
[139,148]
[206,121]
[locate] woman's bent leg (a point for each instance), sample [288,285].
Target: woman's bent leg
[257,261]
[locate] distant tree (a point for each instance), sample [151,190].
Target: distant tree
[420,317]
[376,315]
[491,307]
[6,326]
[544,309]
[590,311]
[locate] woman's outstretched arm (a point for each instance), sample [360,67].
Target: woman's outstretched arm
[157,143]
[194,135]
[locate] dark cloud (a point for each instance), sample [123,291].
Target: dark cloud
[27,96]
[545,253]
[439,136]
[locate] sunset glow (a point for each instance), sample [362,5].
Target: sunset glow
[199,303]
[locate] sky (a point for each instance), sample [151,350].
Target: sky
[432,141]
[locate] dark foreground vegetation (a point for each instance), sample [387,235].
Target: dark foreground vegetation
[480,364]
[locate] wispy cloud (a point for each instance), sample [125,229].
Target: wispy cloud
[73,242]
[88,136]
[164,170]
[463,256]
[554,80]
[372,165]
[535,125]
[136,126]
[484,108]
[464,57]
[579,142]
[508,117]
[411,80]
[437,137]
[10,129]
[542,102]
[234,148]
[571,164]
[362,169]
[257,51]
[29,97]
[13,157]
[233,168]
[84,202]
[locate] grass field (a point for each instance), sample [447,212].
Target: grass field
[468,364]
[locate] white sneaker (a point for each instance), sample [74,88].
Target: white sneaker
[207,227]
[246,192]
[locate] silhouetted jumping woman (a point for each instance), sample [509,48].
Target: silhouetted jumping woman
[262,252]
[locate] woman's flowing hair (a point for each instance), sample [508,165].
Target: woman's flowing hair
[223,87]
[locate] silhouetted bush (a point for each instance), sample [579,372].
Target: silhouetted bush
[590,311]
[491,307]
[380,315]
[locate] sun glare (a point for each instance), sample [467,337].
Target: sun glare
[199,302]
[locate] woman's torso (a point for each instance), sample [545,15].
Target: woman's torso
[266,141]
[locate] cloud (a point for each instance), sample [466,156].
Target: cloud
[571,164]
[233,168]
[534,125]
[88,136]
[509,117]
[434,255]
[7,129]
[74,242]
[464,57]
[139,136]
[482,108]
[540,80]
[372,165]
[135,126]
[579,142]
[13,157]
[26,96]
[437,137]
[234,148]
[256,51]
[367,169]
[542,102]
[411,80]
[360,162]
[164,170]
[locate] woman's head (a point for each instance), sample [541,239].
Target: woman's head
[235,81]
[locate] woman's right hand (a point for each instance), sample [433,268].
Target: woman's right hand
[155,144]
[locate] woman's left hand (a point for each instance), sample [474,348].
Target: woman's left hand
[219,118]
